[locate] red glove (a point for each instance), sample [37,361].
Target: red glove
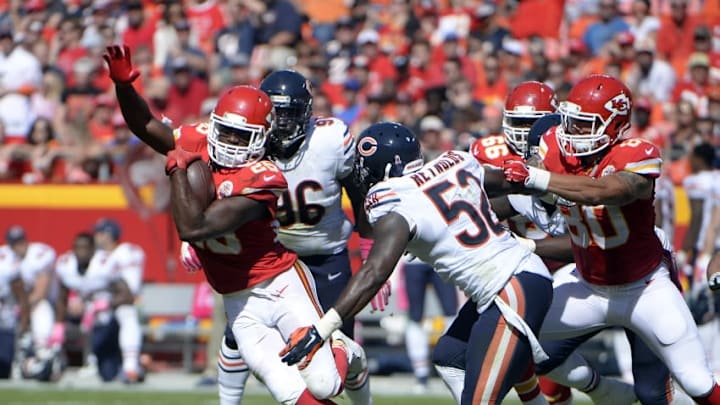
[179,158]
[120,64]
[516,171]
[189,258]
[382,298]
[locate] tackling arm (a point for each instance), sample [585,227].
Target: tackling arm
[557,248]
[121,294]
[195,223]
[495,184]
[61,303]
[362,226]
[617,189]
[502,207]
[696,219]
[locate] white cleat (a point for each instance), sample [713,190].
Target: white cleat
[357,386]
[612,392]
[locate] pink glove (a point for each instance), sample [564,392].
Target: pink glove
[189,258]
[382,298]
[515,171]
[57,336]
[88,319]
[365,246]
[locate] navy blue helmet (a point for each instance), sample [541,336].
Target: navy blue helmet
[538,129]
[384,150]
[290,94]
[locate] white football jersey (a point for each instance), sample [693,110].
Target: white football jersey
[453,228]
[127,261]
[532,208]
[9,272]
[310,210]
[94,282]
[701,186]
[39,258]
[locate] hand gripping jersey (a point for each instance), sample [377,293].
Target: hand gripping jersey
[310,210]
[94,283]
[611,244]
[493,151]
[453,228]
[252,253]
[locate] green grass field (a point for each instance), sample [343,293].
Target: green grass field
[41,396]
[132,397]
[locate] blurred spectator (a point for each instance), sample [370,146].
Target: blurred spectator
[525,23]
[323,15]
[20,76]
[235,39]
[650,77]
[195,58]
[165,37]
[67,48]
[695,88]
[487,27]
[186,94]
[642,127]
[206,18]
[277,25]
[675,36]
[603,31]
[430,131]
[461,112]
[685,135]
[140,26]
[493,88]
[643,25]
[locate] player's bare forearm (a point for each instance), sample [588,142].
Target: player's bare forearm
[714,266]
[557,248]
[121,294]
[392,235]
[357,200]
[140,120]
[496,185]
[21,297]
[617,189]
[61,304]
[195,223]
[502,207]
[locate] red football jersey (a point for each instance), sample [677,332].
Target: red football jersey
[252,253]
[492,150]
[611,244]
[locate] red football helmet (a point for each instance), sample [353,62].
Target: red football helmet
[240,124]
[595,115]
[527,102]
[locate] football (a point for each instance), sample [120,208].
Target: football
[201,182]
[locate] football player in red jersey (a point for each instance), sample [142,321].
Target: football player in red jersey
[267,292]
[605,183]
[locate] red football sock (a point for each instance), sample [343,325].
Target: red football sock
[554,392]
[713,398]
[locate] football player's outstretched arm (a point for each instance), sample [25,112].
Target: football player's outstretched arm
[61,303]
[134,109]
[620,188]
[392,234]
[195,223]
[495,184]
[21,297]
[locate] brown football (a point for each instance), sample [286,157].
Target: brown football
[201,182]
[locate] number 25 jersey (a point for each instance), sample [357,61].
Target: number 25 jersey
[452,226]
[611,244]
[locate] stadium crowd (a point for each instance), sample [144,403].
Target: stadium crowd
[442,68]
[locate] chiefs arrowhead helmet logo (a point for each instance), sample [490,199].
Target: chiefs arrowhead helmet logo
[619,105]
